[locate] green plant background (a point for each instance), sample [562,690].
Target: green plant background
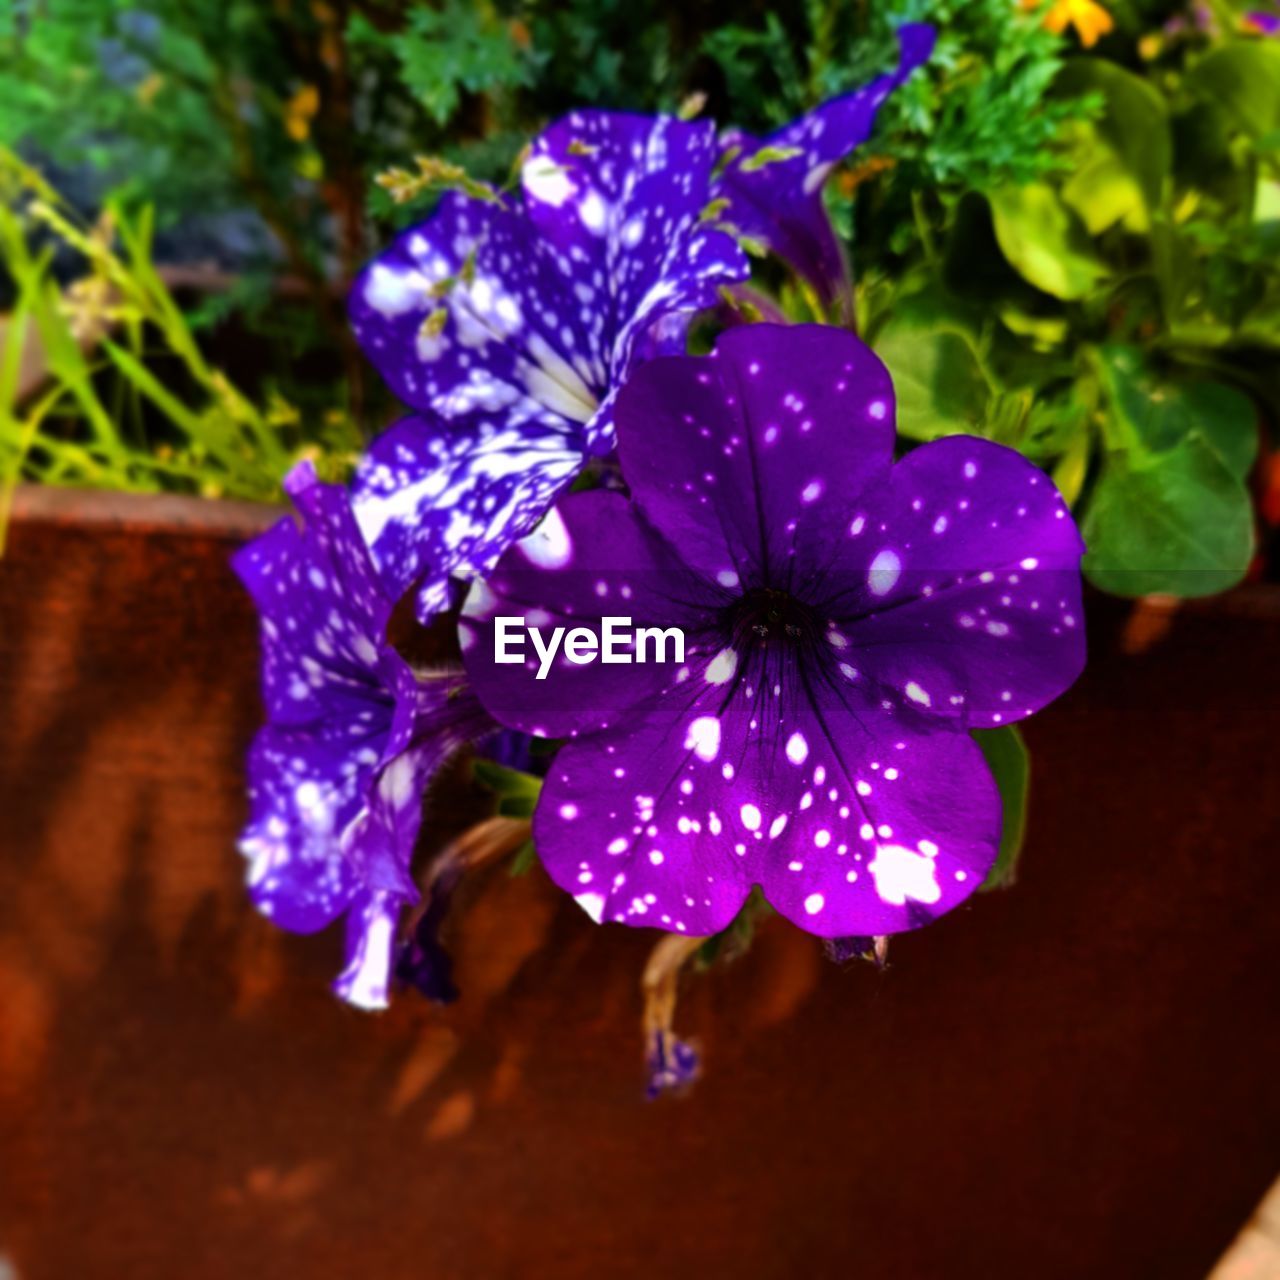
[1070,251]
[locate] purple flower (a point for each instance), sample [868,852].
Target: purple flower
[670,1064]
[780,203]
[509,327]
[842,950]
[352,736]
[847,621]
[422,962]
[1268,24]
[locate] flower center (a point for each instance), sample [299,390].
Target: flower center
[767,616]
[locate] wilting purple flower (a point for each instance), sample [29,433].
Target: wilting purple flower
[510,326]
[780,203]
[847,621]
[422,962]
[352,736]
[670,1063]
[842,950]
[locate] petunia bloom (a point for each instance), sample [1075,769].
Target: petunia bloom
[847,622]
[510,329]
[352,737]
[509,325]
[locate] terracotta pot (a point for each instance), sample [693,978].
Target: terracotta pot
[1076,1077]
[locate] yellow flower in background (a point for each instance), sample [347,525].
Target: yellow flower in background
[1089,18]
[299,110]
[148,88]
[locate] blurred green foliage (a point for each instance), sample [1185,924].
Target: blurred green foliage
[128,401]
[1071,252]
[1116,318]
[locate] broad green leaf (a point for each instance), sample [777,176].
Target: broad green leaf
[1176,523]
[1044,240]
[937,380]
[1244,80]
[1133,128]
[1228,421]
[1102,189]
[1157,416]
[1010,764]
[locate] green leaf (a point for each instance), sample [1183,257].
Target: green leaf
[1228,420]
[442,52]
[1044,240]
[517,792]
[151,387]
[1101,188]
[525,857]
[1133,129]
[1244,80]
[937,380]
[1176,523]
[1157,416]
[1044,331]
[1010,764]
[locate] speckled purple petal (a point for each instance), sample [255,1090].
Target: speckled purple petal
[781,202]
[436,497]
[960,588]
[749,461]
[434,717]
[337,775]
[324,663]
[583,173]
[592,557]
[619,197]
[516,341]
[302,795]
[611,824]
[478,310]
[323,611]
[888,822]
[371,929]
[853,816]
[516,329]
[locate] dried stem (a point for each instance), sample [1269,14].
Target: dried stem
[476,847]
[661,981]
